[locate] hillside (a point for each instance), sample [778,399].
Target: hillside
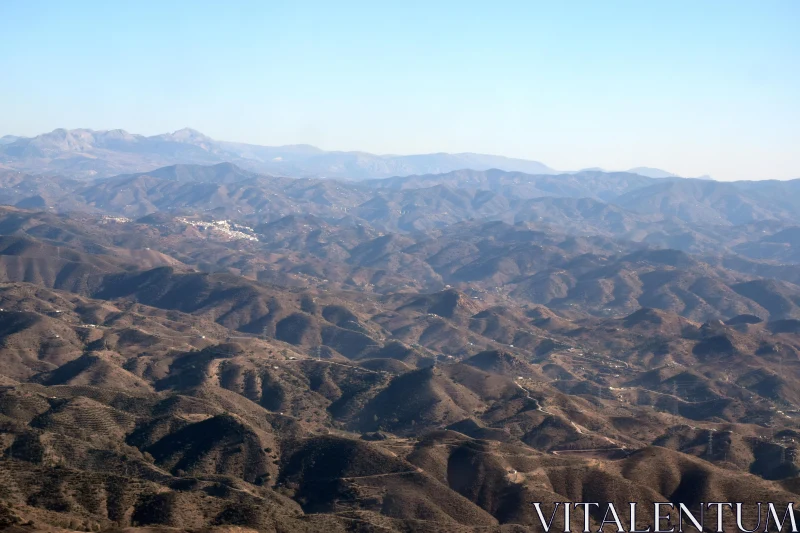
[211,348]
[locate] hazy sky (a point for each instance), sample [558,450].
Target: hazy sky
[694,87]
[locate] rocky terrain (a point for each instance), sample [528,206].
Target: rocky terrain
[209,347]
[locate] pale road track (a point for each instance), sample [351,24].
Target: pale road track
[351,367]
[588,450]
[415,471]
[578,428]
[529,397]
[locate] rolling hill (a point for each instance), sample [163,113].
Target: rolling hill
[207,347]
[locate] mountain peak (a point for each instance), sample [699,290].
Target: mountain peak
[8,139]
[187,135]
[651,172]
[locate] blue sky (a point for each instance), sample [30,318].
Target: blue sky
[709,87]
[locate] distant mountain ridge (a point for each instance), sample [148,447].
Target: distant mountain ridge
[649,172]
[8,139]
[697,216]
[85,153]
